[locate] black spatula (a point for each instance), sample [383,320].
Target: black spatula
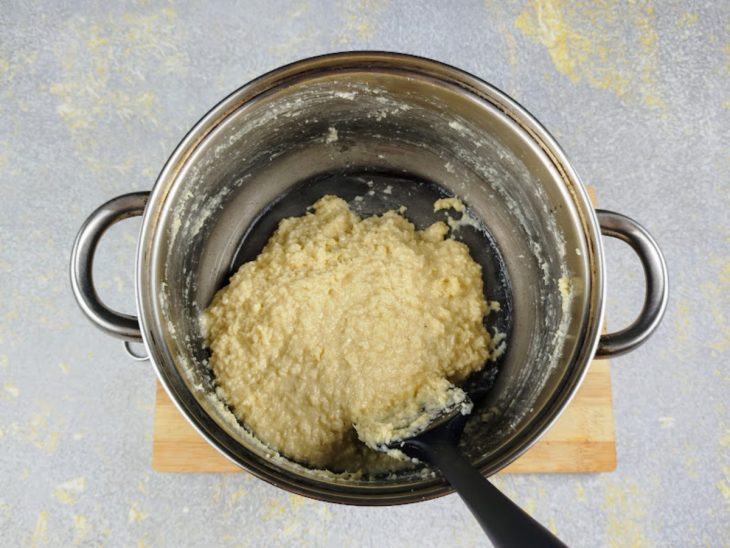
[505,523]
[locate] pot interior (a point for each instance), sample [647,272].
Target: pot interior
[380,137]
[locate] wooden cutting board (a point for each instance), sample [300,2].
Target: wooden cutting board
[582,440]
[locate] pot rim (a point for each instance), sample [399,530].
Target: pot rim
[149,241]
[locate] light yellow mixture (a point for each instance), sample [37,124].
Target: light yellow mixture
[343,321]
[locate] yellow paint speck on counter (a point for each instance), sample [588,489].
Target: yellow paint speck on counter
[69,491]
[588,42]
[11,389]
[40,533]
[135,514]
[82,529]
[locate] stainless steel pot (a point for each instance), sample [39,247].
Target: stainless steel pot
[331,118]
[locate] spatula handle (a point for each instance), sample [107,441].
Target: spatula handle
[505,523]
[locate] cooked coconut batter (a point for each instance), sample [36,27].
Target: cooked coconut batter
[340,321]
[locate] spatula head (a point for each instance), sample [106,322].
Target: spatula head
[391,434]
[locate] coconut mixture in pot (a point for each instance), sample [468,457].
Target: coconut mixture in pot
[342,321]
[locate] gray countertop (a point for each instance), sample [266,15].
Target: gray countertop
[94,96]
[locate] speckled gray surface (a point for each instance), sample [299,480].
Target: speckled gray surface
[94,97]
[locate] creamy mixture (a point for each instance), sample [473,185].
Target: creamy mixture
[343,321]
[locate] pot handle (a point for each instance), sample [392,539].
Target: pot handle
[626,229]
[117,324]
